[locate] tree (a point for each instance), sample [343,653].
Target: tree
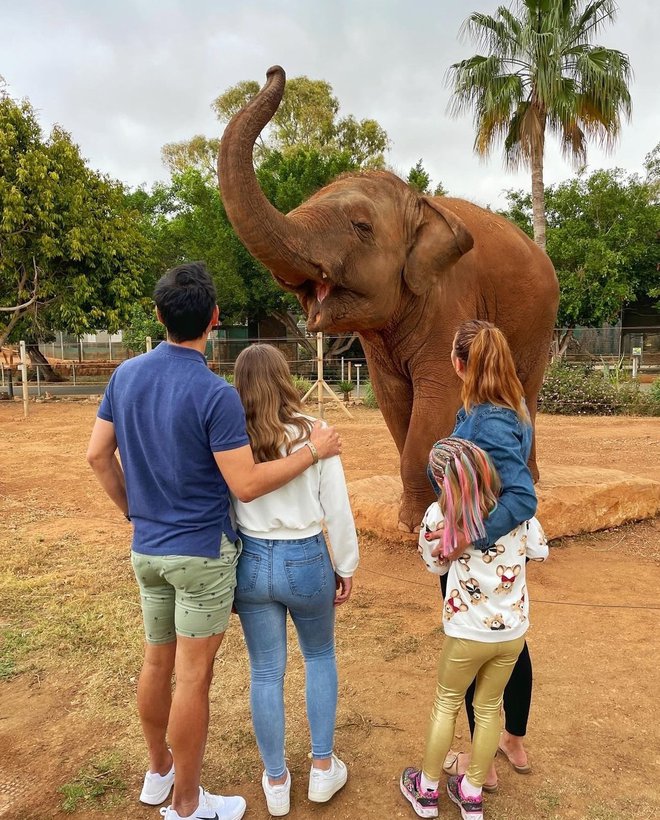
[542,72]
[142,322]
[71,250]
[419,179]
[602,241]
[308,118]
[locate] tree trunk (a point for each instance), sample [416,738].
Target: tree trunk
[538,194]
[561,341]
[7,329]
[287,319]
[46,372]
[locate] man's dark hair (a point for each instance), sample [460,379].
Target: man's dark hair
[185,297]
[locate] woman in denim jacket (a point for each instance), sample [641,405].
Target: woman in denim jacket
[494,416]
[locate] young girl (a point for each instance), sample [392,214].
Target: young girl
[285,567]
[485,617]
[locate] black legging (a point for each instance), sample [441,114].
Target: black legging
[517,694]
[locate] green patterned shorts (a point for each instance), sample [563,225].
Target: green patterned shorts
[184,595]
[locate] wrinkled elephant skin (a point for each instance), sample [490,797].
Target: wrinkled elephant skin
[369,254]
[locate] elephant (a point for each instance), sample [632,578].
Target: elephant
[369,254]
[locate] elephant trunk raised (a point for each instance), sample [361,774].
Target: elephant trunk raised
[277,241]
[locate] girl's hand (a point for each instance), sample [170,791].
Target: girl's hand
[461,545]
[344,589]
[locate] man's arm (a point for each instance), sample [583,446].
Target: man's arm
[248,480]
[103,461]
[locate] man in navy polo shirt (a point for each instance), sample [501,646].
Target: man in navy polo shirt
[181,435]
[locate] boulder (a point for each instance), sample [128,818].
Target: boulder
[572,500]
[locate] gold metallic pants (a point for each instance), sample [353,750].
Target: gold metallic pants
[460,662]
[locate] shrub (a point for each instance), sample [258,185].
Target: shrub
[655,390]
[346,387]
[228,377]
[301,384]
[369,399]
[574,390]
[635,402]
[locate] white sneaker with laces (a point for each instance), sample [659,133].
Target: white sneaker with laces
[278,798]
[156,787]
[324,784]
[211,807]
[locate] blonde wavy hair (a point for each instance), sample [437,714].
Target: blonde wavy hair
[272,404]
[490,372]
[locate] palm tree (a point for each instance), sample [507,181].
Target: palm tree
[542,71]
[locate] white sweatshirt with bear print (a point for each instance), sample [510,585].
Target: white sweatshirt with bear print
[486,596]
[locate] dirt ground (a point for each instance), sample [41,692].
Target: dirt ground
[70,647]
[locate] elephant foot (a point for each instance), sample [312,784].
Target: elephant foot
[403,527]
[411,513]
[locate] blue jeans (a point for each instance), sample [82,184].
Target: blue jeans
[273,577]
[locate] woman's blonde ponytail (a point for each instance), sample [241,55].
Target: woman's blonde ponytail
[490,372]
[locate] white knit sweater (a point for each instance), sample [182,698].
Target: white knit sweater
[300,508]
[487,596]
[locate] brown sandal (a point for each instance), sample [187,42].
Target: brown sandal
[450,767]
[520,769]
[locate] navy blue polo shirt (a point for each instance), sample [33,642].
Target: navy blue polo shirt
[170,414]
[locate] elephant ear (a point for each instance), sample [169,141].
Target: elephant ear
[441,239]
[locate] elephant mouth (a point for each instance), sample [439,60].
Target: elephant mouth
[321,300]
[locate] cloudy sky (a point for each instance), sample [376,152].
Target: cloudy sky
[126,76]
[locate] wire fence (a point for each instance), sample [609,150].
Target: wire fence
[85,366]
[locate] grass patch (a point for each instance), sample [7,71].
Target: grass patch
[100,782]
[13,645]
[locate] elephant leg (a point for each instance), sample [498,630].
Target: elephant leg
[395,401]
[532,385]
[431,420]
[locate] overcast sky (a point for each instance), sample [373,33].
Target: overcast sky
[127,76]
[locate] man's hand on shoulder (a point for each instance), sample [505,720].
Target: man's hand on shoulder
[326,440]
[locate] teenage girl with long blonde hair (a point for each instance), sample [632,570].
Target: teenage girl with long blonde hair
[285,568]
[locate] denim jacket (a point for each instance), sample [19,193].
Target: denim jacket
[508,442]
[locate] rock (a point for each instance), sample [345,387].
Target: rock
[572,500]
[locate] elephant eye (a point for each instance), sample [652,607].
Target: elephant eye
[363,229]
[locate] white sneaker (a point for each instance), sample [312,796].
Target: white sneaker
[324,784]
[156,787]
[211,807]
[278,798]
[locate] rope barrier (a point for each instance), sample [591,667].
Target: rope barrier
[535,600]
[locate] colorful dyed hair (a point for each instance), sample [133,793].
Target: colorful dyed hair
[468,486]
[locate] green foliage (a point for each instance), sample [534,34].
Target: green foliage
[13,645]
[570,389]
[601,237]
[541,70]
[346,387]
[655,390]
[419,179]
[228,377]
[308,118]
[99,780]
[142,322]
[200,153]
[577,391]
[636,402]
[301,384]
[70,225]
[369,398]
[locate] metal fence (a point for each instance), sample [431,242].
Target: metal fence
[89,369]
